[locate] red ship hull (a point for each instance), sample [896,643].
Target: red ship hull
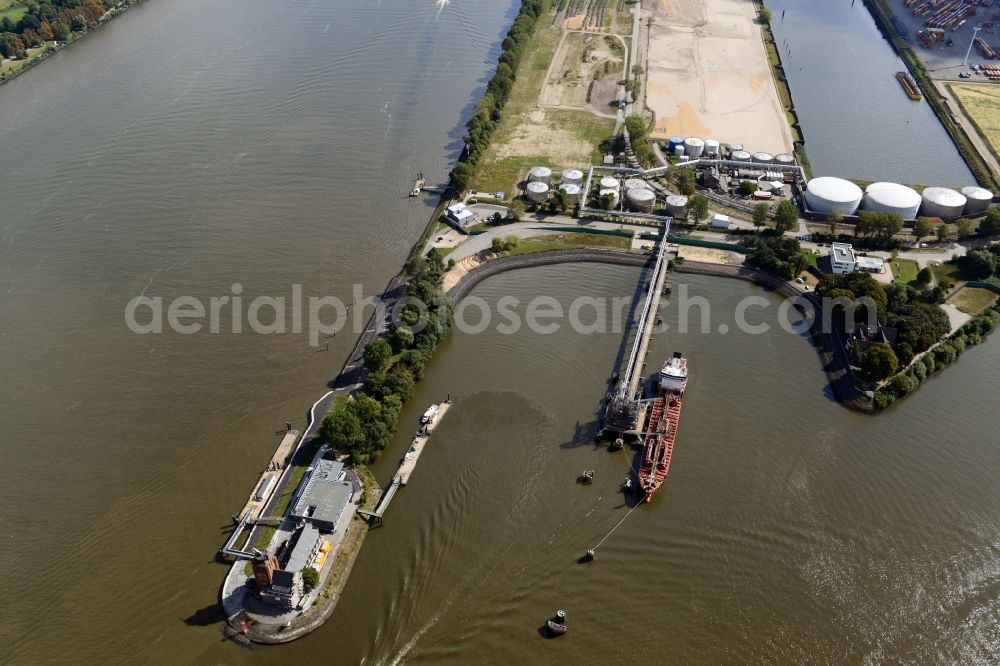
[659,442]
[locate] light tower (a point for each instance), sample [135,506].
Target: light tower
[975,30]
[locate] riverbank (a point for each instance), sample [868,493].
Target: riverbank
[976,161]
[51,48]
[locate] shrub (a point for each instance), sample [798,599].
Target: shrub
[310,578]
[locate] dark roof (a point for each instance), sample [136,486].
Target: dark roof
[283,578]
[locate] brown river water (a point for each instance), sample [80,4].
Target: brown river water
[189,146]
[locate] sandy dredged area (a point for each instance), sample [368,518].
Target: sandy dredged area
[708,76]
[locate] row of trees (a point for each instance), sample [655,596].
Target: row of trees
[482,124]
[364,425]
[981,264]
[878,224]
[638,129]
[47,21]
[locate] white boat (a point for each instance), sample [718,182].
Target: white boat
[674,375]
[430,414]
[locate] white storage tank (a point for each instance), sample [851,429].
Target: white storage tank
[538,191]
[572,191]
[677,205]
[613,193]
[540,174]
[572,176]
[784,159]
[712,147]
[827,193]
[763,158]
[736,146]
[942,202]
[694,146]
[609,183]
[740,156]
[977,199]
[679,150]
[640,199]
[892,198]
[633,183]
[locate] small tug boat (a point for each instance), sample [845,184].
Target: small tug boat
[557,625]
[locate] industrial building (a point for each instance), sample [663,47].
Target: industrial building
[323,496]
[460,214]
[842,259]
[720,221]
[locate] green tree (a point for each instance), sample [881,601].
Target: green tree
[377,354]
[562,199]
[747,187]
[760,212]
[923,228]
[990,226]
[462,175]
[512,242]
[925,276]
[497,245]
[834,218]
[342,429]
[965,228]
[978,264]
[943,233]
[515,211]
[786,216]
[401,338]
[698,208]
[684,180]
[310,579]
[765,15]
[879,361]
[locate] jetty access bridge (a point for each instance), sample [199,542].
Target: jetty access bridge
[626,408]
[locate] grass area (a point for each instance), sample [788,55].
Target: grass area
[904,270]
[972,300]
[981,102]
[569,241]
[946,274]
[528,135]
[12,9]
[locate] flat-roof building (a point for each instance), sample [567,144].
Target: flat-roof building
[842,259]
[871,264]
[460,214]
[323,495]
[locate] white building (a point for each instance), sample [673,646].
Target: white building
[720,221]
[871,265]
[842,259]
[460,214]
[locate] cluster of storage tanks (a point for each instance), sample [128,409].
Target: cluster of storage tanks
[540,184]
[827,194]
[639,196]
[695,147]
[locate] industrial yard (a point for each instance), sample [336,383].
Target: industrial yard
[709,76]
[942,31]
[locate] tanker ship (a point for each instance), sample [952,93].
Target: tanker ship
[662,429]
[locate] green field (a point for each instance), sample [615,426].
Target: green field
[904,270]
[972,300]
[12,9]
[981,102]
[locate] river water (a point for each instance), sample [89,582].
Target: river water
[857,121]
[270,145]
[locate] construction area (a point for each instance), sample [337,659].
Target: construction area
[708,75]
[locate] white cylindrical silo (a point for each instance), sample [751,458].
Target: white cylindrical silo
[613,193]
[609,183]
[640,199]
[694,147]
[827,193]
[736,146]
[537,191]
[942,202]
[633,183]
[540,174]
[740,156]
[572,191]
[679,150]
[892,198]
[572,176]
[712,147]
[977,199]
[763,158]
[677,205]
[784,159]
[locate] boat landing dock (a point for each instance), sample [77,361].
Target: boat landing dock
[406,465]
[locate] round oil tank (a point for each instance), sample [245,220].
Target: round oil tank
[765,186]
[827,193]
[694,146]
[763,158]
[784,159]
[679,150]
[736,146]
[740,156]
[677,205]
[540,174]
[609,183]
[640,199]
[712,147]
[892,198]
[538,191]
[673,143]
[572,176]
[942,202]
[572,191]
[613,193]
[977,199]
[633,183]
